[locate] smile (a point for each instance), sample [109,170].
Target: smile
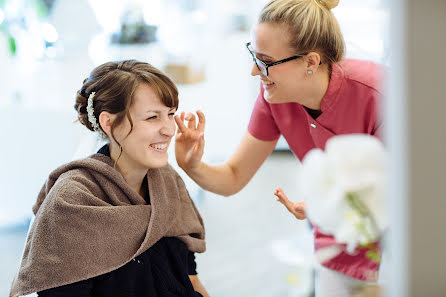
[267,84]
[159,146]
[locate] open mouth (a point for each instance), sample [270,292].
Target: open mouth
[159,146]
[267,84]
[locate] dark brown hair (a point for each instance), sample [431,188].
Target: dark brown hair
[114,84]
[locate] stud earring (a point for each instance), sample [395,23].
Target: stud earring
[310,72]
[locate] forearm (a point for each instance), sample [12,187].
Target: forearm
[198,286]
[230,177]
[221,179]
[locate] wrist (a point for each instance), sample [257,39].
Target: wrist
[193,171]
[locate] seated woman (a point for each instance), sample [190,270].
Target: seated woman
[120,222]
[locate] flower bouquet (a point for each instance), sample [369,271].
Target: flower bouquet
[343,187]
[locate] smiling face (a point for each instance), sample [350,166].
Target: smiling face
[153,127]
[286,82]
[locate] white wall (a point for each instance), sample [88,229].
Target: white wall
[416,124]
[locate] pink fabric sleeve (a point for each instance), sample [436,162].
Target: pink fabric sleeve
[262,124]
[377,118]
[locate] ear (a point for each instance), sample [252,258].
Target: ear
[312,60]
[106,120]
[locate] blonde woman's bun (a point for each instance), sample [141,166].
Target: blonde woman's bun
[330,3]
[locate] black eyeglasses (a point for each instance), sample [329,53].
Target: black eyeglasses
[262,66]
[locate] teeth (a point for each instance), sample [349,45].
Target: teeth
[267,82]
[159,146]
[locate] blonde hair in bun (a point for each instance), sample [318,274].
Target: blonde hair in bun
[330,4]
[311,26]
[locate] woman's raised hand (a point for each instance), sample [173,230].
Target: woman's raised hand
[189,141]
[296,208]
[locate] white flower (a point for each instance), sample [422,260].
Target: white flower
[343,188]
[91,118]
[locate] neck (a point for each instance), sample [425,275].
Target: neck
[319,85]
[133,176]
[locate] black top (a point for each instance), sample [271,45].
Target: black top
[313,112]
[162,270]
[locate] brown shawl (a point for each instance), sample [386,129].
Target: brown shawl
[89,222]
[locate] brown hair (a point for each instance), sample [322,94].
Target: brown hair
[114,84]
[312,26]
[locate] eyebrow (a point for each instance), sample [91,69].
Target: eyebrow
[159,111]
[264,55]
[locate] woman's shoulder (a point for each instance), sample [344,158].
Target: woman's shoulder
[78,172]
[69,180]
[367,73]
[74,178]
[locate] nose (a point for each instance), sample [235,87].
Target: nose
[255,70]
[168,128]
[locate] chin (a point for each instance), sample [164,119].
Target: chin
[276,98]
[157,163]
[268,97]
[273,99]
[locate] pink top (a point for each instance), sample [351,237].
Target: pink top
[350,105]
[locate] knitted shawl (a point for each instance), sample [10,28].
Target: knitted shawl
[88,222]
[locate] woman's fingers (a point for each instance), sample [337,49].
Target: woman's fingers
[201,121]
[180,123]
[192,121]
[282,195]
[190,118]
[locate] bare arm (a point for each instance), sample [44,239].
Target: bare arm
[198,286]
[224,179]
[233,175]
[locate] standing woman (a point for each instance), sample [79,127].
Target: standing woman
[120,222]
[308,93]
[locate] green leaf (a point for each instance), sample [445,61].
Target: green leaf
[12,45]
[374,256]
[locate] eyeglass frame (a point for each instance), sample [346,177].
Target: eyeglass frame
[267,65]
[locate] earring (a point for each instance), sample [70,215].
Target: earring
[309,72]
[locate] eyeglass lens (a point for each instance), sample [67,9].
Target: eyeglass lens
[259,64]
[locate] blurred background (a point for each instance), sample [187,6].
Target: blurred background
[48,47]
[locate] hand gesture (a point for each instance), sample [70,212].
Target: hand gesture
[189,141]
[296,208]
